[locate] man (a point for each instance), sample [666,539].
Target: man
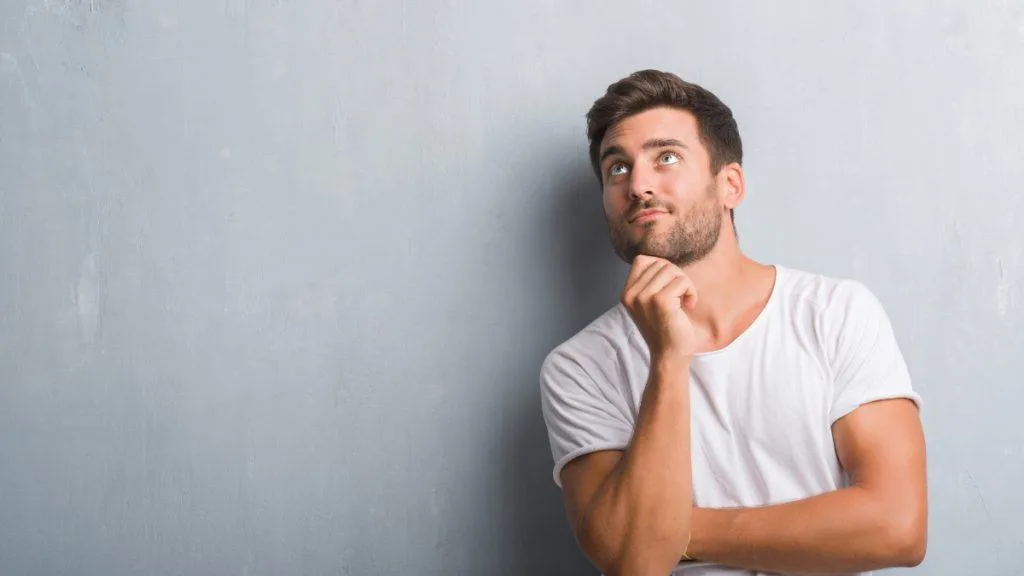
[726,417]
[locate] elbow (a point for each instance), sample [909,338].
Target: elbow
[635,559]
[912,549]
[632,532]
[637,552]
[908,540]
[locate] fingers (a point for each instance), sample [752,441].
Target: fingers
[657,284]
[644,269]
[681,287]
[654,279]
[641,265]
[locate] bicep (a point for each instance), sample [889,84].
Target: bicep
[582,478]
[881,446]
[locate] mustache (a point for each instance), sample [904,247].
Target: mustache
[647,205]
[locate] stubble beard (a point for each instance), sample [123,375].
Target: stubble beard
[688,240]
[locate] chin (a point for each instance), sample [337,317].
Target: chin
[651,247]
[647,251]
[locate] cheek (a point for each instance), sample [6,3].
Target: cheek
[683,187]
[614,202]
[676,182]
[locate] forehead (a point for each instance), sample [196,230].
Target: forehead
[656,123]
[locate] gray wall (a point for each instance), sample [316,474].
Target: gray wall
[276,277]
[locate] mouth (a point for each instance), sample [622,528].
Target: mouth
[646,216]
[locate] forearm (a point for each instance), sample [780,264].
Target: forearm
[639,521]
[849,530]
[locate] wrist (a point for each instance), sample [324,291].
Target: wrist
[708,526]
[698,535]
[670,364]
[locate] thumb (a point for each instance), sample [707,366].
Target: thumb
[689,299]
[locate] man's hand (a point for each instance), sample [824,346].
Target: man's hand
[657,294]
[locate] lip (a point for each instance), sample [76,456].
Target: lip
[646,216]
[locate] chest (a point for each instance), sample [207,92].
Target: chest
[760,429]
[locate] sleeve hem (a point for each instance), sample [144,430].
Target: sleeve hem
[846,409]
[561,462]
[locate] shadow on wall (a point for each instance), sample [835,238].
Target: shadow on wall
[580,281]
[584,276]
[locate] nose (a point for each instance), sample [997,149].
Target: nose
[640,182]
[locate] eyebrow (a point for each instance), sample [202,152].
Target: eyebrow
[653,143]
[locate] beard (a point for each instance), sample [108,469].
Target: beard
[684,242]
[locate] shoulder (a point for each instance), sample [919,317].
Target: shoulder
[596,349]
[827,298]
[842,315]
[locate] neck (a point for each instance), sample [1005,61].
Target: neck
[731,291]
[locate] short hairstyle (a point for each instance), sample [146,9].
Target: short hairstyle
[646,89]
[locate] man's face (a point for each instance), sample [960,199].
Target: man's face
[660,198]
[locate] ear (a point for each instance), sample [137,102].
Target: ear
[731,185]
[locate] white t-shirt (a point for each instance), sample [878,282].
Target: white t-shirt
[761,408]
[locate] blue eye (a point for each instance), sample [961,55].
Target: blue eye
[617,169]
[668,158]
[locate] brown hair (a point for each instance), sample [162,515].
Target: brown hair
[646,89]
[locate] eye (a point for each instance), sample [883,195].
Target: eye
[617,169]
[668,158]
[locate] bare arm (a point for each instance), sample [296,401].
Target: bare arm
[880,521]
[630,511]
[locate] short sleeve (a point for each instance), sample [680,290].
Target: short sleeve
[581,415]
[867,364]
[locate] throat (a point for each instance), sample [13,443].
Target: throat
[736,318]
